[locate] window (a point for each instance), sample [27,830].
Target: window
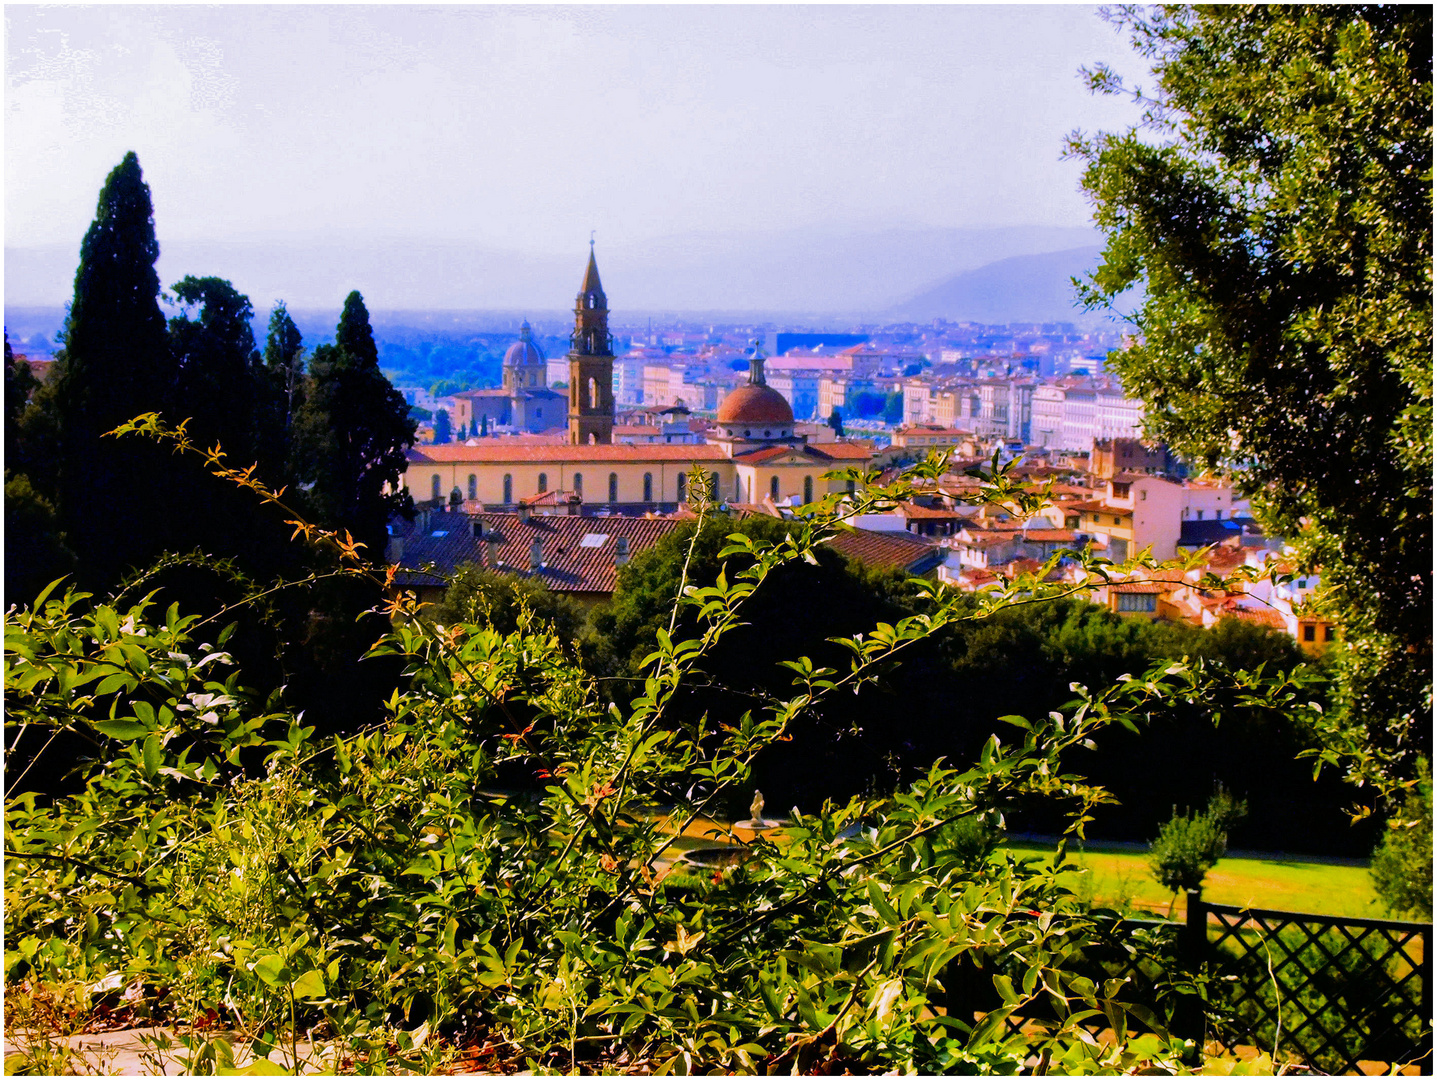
[508,488]
[434,487]
[543,483]
[773,487]
[613,487]
[737,489]
[1137,602]
[593,401]
[648,487]
[473,487]
[579,483]
[683,482]
[1199,515]
[1309,633]
[1120,491]
[1117,520]
[1217,514]
[1328,633]
[1142,496]
[714,488]
[852,487]
[808,489]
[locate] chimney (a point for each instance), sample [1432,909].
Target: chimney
[621,550]
[494,541]
[523,511]
[536,555]
[396,548]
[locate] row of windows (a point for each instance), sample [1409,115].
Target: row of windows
[436,486]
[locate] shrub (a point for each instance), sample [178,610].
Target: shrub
[1189,844]
[1402,863]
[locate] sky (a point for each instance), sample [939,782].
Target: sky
[523,128]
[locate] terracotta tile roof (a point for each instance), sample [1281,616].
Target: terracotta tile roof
[1052,536]
[1097,506]
[578,552]
[888,550]
[488,392]
[501,450]
[915,512]
[1150,587]
[1262,616]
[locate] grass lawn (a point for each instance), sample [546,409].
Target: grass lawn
[1282,884]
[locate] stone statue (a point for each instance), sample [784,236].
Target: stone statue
[755,808]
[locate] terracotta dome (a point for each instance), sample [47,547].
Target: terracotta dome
[754,404]
[523,351]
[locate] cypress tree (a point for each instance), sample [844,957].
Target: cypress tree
[115,364]
[352,433]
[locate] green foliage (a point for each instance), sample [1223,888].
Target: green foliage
[1276,204]
[481,597]
[893,408]
[490,858]
[835,421]
[216,358]
[1189,845]
[284,359]
[1402,863]
[352,433]
[443,430]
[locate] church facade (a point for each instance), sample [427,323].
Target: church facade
[753,454]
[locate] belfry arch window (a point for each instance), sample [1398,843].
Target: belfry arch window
[773,488]
[434,487]
[543,482]
[683,482]
[579,484]
[473,487]
[508,488]
[593,393]
[613,487]
[648,487]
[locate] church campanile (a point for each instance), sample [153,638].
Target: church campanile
[591,364]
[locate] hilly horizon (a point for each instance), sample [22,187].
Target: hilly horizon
[1023,288]
[810,272]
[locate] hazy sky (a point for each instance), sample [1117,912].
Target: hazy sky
[525,127]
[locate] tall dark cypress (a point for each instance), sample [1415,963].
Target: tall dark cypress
[352,432]
[114,365]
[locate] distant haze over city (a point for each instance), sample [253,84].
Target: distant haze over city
[847,162]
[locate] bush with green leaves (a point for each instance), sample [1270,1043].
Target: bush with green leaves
[1189,844]
[1402,863]
[489,863]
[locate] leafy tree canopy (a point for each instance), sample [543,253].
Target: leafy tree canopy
[1276,204]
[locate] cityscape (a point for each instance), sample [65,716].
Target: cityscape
[745,540]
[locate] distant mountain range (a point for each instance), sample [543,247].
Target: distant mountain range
[1004,274]
[1025,288]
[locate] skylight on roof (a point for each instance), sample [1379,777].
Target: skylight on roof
[440,532]
[593,540]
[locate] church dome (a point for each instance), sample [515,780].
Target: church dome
[524,351]
[755,404]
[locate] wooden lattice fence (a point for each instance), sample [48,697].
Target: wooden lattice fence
[1318,991]
[1326,992]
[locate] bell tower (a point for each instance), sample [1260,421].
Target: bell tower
[591,364]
